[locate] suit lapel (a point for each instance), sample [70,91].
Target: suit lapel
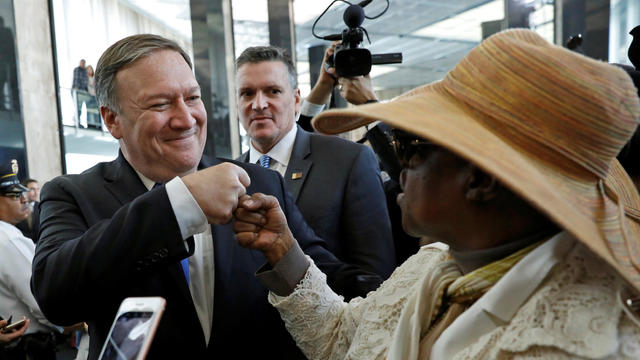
[122,181]
[244,157]
[299,164]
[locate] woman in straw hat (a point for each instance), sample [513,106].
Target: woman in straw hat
[510,160]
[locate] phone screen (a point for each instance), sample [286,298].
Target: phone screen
[128,335]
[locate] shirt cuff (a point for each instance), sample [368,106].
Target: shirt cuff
[283,278]
[190,217]
[310,109]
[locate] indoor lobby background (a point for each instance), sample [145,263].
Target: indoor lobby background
[52,129]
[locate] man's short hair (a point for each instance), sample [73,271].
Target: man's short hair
[256,54]
[27,181]
[123,53]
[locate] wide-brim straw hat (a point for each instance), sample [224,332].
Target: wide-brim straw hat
[547,122]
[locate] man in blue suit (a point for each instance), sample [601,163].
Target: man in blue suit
[336,183]
[140,225]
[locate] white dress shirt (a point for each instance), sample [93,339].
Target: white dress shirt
[498,306]
[310,109]
[193,222]
[280,153]
[16,299]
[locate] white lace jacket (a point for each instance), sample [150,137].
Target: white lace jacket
[573,314]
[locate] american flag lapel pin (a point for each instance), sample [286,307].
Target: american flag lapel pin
[296,176]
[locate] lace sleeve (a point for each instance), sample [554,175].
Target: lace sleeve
[325,327]
[317,318]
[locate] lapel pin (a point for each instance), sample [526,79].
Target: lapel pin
[296,175]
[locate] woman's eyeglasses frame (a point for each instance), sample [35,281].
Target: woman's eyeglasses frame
[406,145]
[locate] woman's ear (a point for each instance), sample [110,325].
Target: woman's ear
[480,186]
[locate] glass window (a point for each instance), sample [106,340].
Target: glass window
[625,15]
[12,143]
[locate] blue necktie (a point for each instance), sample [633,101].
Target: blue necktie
[184,262]
[264,161]
[185,268]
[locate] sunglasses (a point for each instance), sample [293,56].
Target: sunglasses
[407,145]
[14,195]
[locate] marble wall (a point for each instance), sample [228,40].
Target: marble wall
[37,89]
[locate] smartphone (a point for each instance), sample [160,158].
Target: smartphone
[133,329]
[15,326]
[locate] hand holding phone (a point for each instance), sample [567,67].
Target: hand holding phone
[12,331]
[133,329]
[15,326]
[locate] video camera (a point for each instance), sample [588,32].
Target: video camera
[349,59]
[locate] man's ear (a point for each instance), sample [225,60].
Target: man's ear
[480,186]
[112,121]
[298,97]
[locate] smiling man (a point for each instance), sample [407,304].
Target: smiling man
[140,225]
[336,183]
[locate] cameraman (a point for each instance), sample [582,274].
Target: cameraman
[358,91]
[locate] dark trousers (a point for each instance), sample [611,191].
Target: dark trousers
[36,346]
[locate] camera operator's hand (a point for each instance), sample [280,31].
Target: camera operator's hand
[327,80]
[328,74]
[357,90]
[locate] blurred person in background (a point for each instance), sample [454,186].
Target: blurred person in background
[80,86]
[17,251]
[93,112]
[358,91]
[336,183]
[29,227]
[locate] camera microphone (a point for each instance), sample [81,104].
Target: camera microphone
[349,58]
[353,16]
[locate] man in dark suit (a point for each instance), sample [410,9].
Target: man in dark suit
[139,225]
[335,182]
[358,90]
